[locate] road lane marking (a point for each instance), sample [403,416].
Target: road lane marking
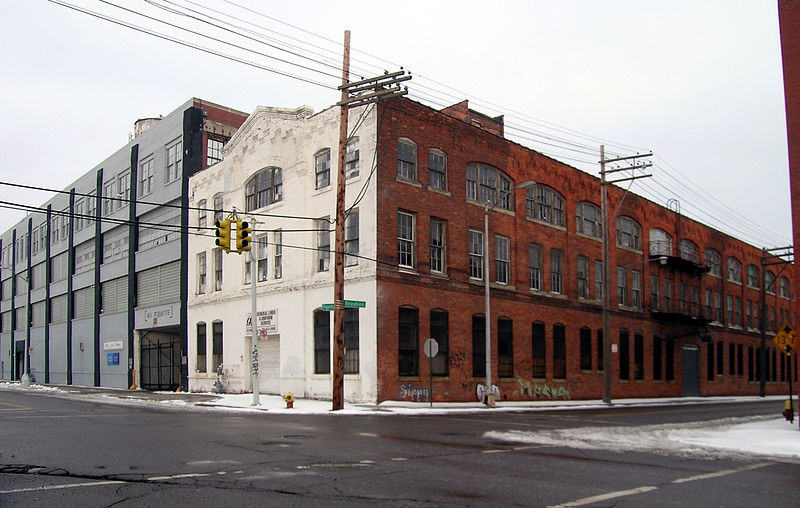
[605,497]
[54,487]
[725,472]
[177,476]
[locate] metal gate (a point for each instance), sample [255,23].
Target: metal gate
[160,365]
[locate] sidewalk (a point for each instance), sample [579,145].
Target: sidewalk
[276,404]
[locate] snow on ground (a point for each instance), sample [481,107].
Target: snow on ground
[770,436]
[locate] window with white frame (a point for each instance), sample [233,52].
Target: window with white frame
[545,204]
[351,234]
[264,188]
[714,262]
[80,212]
[277,264]
[622,289]
[323,245]
[476,254]
[263,257]
[202,273]
[146,175]
[217,270]
[437,169]
[202,214]
[64,223]
[174,159]
[214,151]
[734,271]
[219,213]
[322,168]
[629,233]
[636,289]
[688,250]
[598,280]
[352,154]
[589,220]
[486,184]
[769,282]
[785,288]
[556,277]
[501,259]
[583,277]
[124,188]
[660,242]
[437,245]
[406,159]
[34,241]
[406,239]
[91,208]
[535,266]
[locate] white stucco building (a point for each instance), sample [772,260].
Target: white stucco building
[279,173]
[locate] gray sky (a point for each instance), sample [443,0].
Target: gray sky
[699,83]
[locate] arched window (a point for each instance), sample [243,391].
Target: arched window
[785,288]
[629,233]
[263,189]
[714,262]
[769,282]
[753,276]
[200,365]
[688,250]
[588,219]
[216,345]
[660,243]
[545,204]
[486,184]
[437,169]
[734,270]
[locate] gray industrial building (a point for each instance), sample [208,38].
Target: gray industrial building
[94,281]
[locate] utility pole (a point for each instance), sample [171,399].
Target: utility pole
[354,94]
[769,257]
[632,166]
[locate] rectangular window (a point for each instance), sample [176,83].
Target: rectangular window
[406,160]
[739,360]
[737,311]
[505,348]
[600,350]
[124,188]
[322,342]
[201,348]
[91,208]
[174,159]
[535,266]
[322,169]
[406,239]
[586,348]
[729,309]
[622,290]
[539,351]
[638,356]
[109,197]
[351,239]
[408,340]
[598,280]
[217,270]
[214,151]
[750,366]
[262,252]
[559,352]
[478,346]
[216,345]
[624,355]
[710,361]
[555,271]
[654,286]
[351,159]
[670,359]
[657,358]
[717,307]
[351,357]
[667,296]
[146,177]
[201,273]
[437,245]
[440,331]
[636,289]
[583,277]
[278,262]
[501,259]
[720,360]
[80,216]
[323,245]
[476,254]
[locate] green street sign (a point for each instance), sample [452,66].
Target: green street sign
[327,306]
[354,304]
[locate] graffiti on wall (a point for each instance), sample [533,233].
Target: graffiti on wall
[456,360]
[414,393]
[542,390]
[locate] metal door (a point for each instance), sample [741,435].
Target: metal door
[160,365]
[691,371]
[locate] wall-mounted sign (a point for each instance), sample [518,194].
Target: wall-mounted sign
[159,316]
[112,358]
[267,323]
[113,345]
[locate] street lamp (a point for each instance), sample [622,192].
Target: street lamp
[488,393]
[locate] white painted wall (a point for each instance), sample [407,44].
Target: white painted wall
[289,139]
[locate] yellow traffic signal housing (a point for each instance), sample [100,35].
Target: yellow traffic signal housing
[243,238]
[224,234]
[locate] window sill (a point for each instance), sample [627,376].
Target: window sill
[491,208]
[437,190]
[589,237]
[407,269]
[629,249]
[413,183]
[547,224]
[408,378]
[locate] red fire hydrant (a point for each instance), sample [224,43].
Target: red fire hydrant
[289,398]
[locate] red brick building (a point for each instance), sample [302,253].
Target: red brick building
[685,298]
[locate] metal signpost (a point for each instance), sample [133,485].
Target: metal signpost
[431,349]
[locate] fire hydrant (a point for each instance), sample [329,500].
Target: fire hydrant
[289,398]
[788,411]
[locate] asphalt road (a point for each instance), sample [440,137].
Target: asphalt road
[63,452]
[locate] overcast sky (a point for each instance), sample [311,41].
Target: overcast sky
[699,83]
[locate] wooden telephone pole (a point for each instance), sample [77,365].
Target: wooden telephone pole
[359,93]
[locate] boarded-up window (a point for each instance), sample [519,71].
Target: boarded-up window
[84,257]
[37,311]
[58,309]
[83,303]
[158,285]
[115,295]
[59,267]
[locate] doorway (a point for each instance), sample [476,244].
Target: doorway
[691,371]
[160,362]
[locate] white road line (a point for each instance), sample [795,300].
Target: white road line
[605,497]
[177,476]
[399,458]
[726,472]
[496,451]
[54,487]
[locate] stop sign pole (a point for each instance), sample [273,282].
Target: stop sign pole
[431,349]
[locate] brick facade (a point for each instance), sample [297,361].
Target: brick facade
[462,297]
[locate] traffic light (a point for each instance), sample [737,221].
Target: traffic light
[243,238]
[224,234]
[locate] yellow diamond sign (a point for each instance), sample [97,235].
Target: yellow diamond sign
[786,339]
